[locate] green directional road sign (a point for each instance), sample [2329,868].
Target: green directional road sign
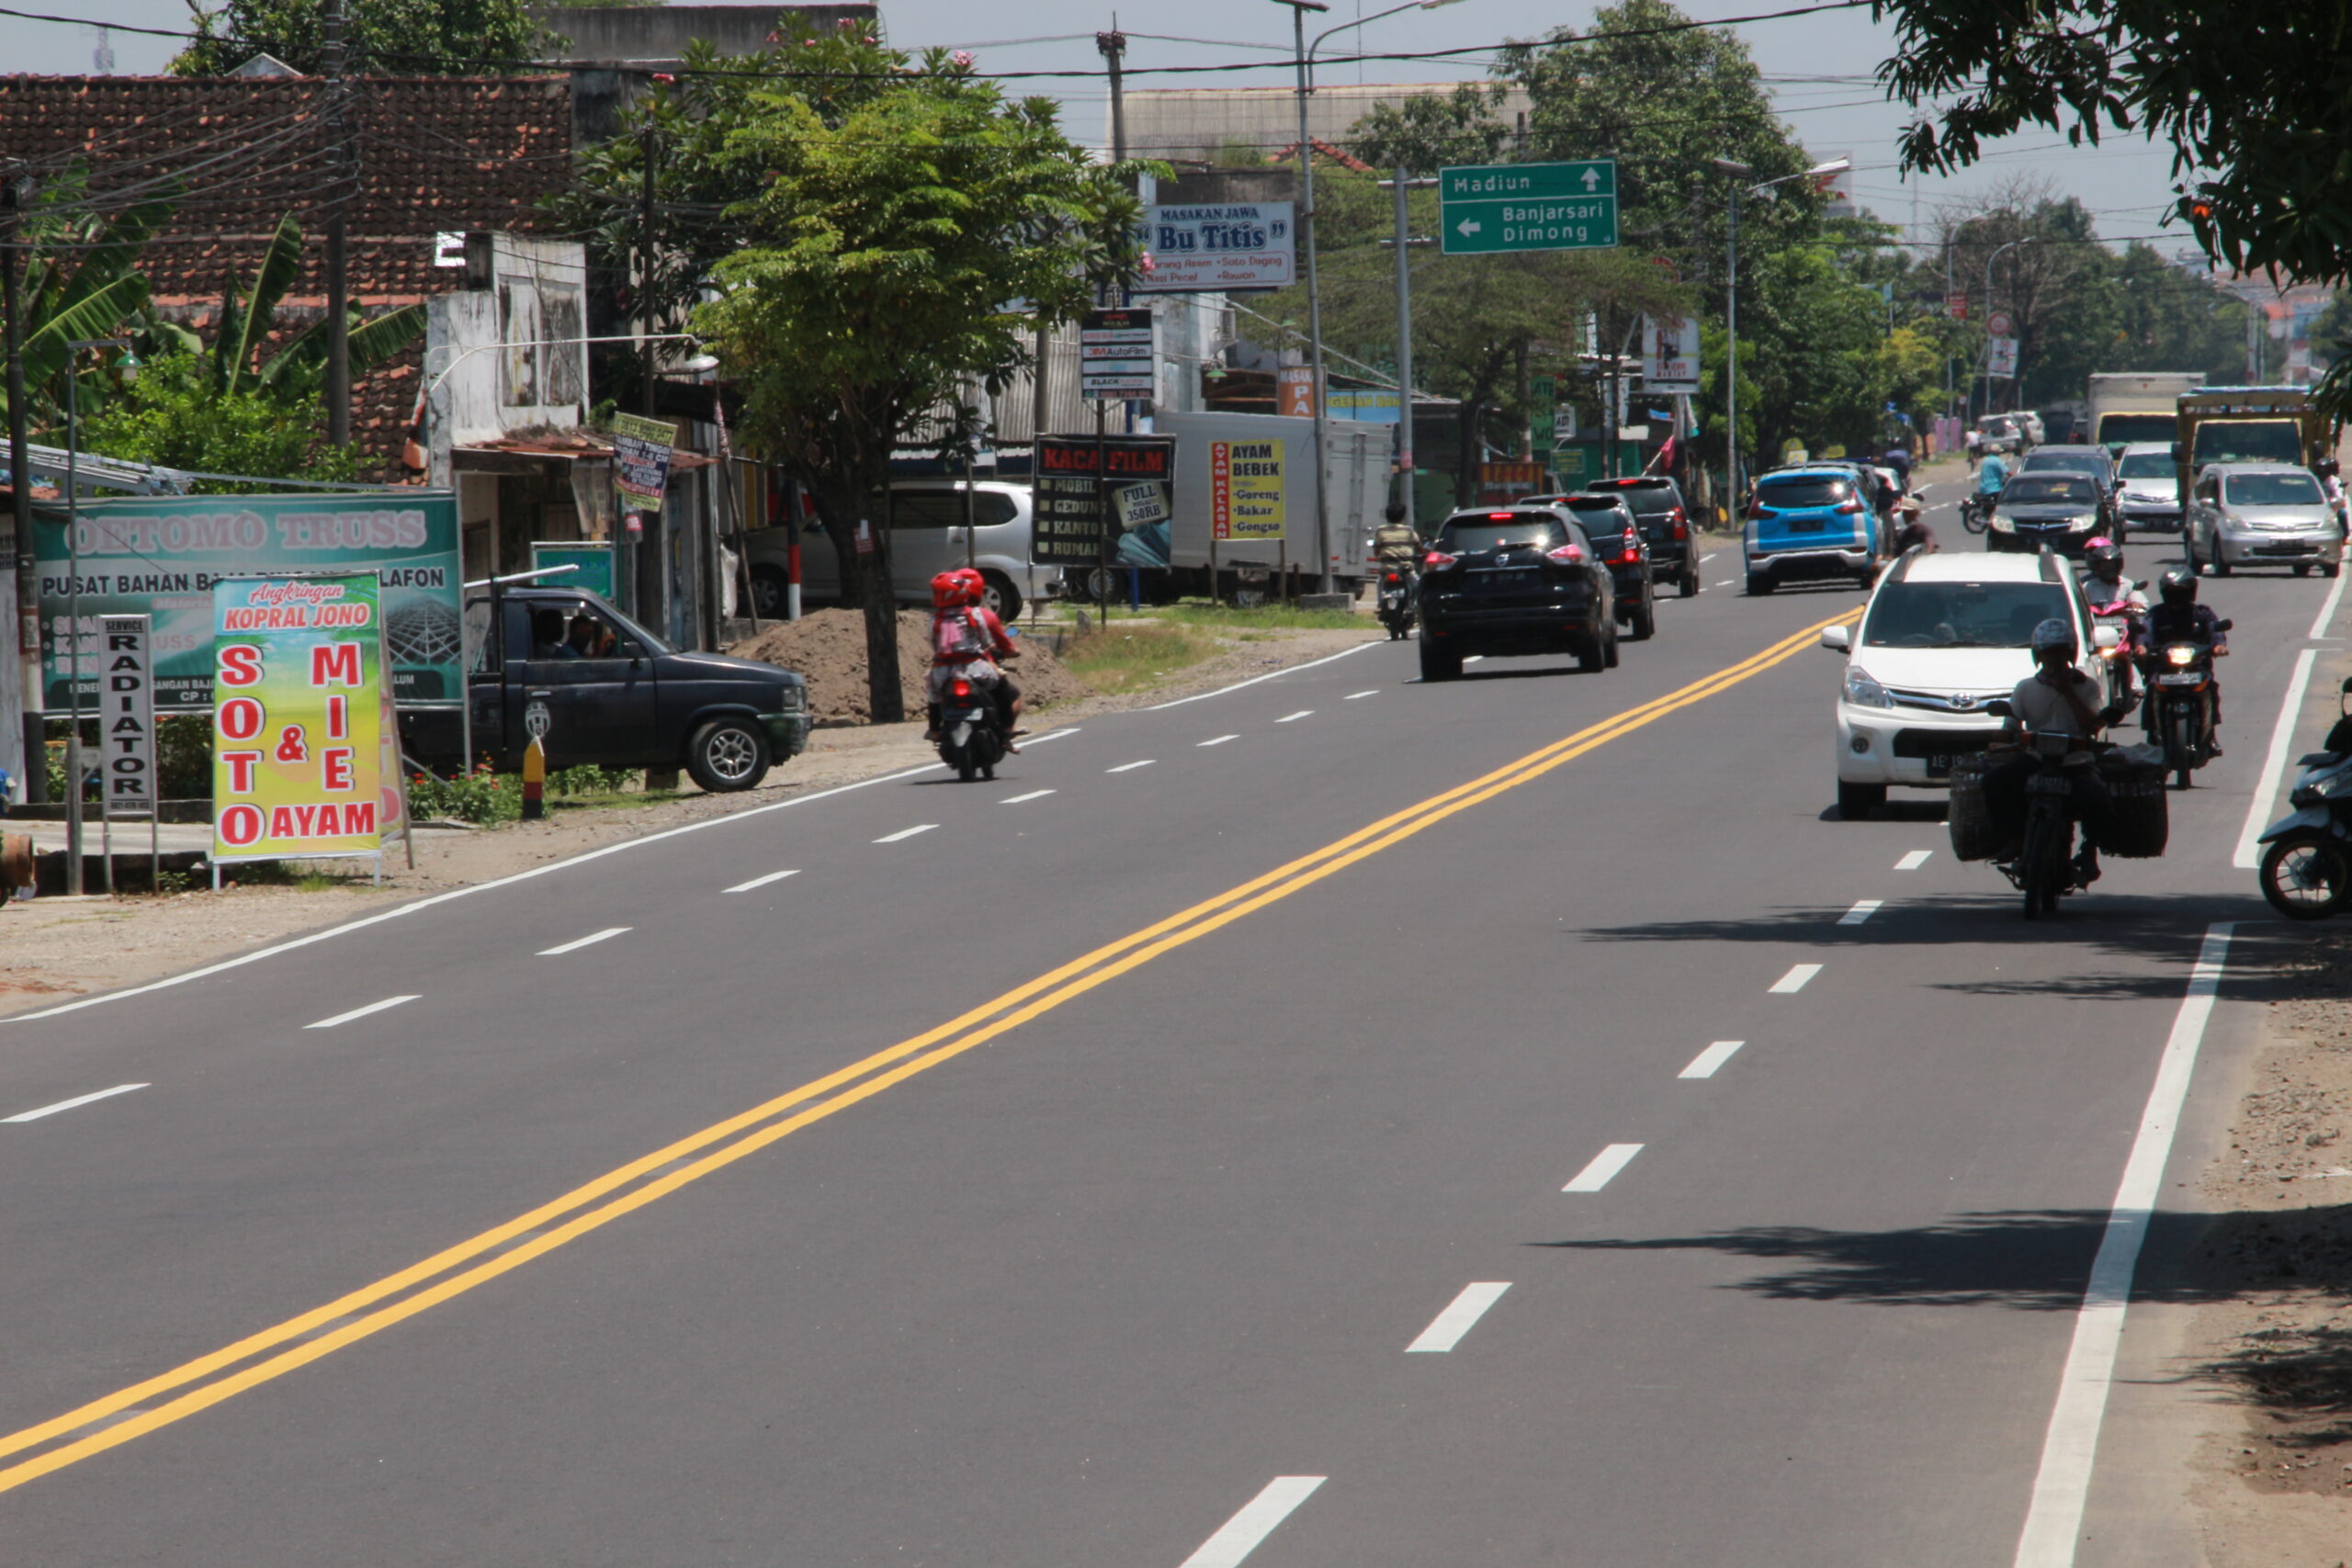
[1529,206]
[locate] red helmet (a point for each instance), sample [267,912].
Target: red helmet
[947,591]
[975,587]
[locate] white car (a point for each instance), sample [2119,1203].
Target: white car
[2151,480]
[1942,636]
[927,536]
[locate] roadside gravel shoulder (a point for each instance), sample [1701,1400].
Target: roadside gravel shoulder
[53,949]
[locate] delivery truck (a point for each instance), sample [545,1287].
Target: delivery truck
[1244,495]
[2137,406]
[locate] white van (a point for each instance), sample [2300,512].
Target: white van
[928,536]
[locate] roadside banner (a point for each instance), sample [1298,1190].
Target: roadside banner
[1220,248]
[299,717]
[1671,354]
[1246,491]
[594,559]
[642,452]
[160,557]
[1072,489]
[127,717]
[2001,357]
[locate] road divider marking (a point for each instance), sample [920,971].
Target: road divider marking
[1220,740]
[1288,717]
[1461,1316]
[905,833]
[1358,696]
[1032,795]
[1704,1064]
[1241,1534]
[2054,1520]
[1913,861]
[2327,609]
[77,1100]
[1062,734]
[269,1353]
[2266,783]
[762,881]
[1603,1166]
[1790,984]
[1130,767]
[360,1013]
[591,940]
[1859,913]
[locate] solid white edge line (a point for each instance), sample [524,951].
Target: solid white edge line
[2282,739]
[1461,1315]
[359,1012]
[905,833]
[1061,734]
[1239,1535]
[1862,910]
[761,881]
[1032,795]
[1269,675]
[1790,984]
[1913,861]
[576,943]
[1131,767]
[2327,609]
[1602,1167]
[70,1104]
[1704,1065]
[2053,1520]
[207,971]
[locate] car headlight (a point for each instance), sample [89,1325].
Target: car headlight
[2004,524]
[2079,523]
[1863,692]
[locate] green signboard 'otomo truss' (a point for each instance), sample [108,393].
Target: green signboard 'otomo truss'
[1489,209]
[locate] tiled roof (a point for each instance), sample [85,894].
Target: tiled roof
[433,154]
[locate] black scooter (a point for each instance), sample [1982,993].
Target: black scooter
[2178,713]
[970,740]
[1397,598]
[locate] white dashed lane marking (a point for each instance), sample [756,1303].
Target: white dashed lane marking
[1220,740]
[1861,912]
[360,1013]
[905,833]
[1446,1331]
[1604,1166]
[1129,767]
[1792,982]
[578,943]
[761,881]
[1913,861]
[1704,1064]
[77,1100]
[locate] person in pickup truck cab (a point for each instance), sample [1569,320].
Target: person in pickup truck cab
[547,636]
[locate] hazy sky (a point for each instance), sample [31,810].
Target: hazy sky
[1819,69]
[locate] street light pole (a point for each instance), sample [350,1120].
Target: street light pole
[1403,356]
[1739,172]
[1306,53]
[2013,244]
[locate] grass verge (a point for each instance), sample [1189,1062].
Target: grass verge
[1226,618]
[1129,658]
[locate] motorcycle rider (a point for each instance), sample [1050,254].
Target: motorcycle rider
[1913,534]
[1397,548]
[2178,617]
[2110,593]
[2058,698]
[967,641]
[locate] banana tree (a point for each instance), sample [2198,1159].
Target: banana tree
[82,282]
[249,315]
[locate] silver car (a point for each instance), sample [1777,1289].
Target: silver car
[928,536]
[2151,478]
[2261,514]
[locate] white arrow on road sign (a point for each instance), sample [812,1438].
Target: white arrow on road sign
[1591,181]
[1466,228]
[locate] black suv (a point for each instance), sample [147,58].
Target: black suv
[1515,582]
[1666,522]
[1609,521]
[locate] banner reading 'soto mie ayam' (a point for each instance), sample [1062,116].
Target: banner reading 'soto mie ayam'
[298,715]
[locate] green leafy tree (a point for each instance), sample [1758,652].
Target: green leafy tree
[392,38]
[82,280]
[902,204]
[1428,132]
[175,414]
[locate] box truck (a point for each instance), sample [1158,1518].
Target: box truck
[2137,406]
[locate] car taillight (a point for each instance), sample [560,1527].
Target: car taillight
[1438,560]
[1567,554]
[1499,516]
[962,689]
[1392,577]
[1681,524]
[1851,503]
[1756,512]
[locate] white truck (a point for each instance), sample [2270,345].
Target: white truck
[1255,474]
[2138,405]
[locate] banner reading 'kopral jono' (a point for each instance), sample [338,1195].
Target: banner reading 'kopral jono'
[159,556]
[297,718]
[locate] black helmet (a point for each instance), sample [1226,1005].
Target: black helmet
[2179,587]
[2327,468]
[2104,553]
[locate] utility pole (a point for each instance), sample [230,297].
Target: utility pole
[645,272]
[15,196]
[1299,9]
[1403,359]
[1112,47]
[340,164]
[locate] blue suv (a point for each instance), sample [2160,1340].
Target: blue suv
[1807,524]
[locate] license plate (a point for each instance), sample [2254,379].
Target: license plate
[2180,680]
[1940,765]
[1804,525]
[1503,578]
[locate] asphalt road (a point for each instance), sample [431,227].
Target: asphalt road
[1117,1163]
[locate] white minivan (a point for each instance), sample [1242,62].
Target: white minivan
[928,536]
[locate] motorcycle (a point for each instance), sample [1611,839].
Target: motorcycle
[1976,511]
[2178,711]
[2306,871]
[1397,598]
[2044,869]
[2122,615]
[970,740]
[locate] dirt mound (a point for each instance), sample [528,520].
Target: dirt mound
[828,647]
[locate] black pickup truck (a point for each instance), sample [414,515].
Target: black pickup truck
[564,664]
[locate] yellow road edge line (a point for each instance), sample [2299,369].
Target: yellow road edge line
[1139,948]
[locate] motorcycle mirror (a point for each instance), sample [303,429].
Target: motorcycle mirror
[2347,687]
[2225,625]
[1999,708]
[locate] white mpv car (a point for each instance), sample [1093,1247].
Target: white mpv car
[1942,636]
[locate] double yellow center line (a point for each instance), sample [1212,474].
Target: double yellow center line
[272,1353]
